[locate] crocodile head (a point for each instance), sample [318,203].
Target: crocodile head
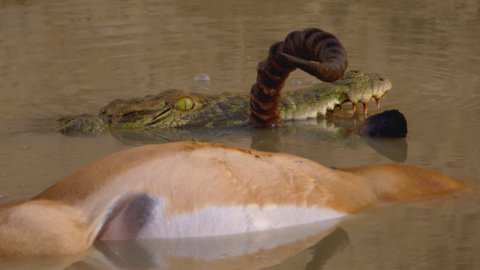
[355,87]
[177,108]
[365,86]
[168,109]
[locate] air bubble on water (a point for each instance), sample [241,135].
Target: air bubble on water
[202,80]
[202,77]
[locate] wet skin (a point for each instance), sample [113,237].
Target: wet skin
[180,109]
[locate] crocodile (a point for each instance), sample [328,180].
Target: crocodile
[312,50]
[175,108]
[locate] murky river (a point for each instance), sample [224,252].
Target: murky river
[68,57]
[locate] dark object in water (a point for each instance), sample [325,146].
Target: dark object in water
[389,123]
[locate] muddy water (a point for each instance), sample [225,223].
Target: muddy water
[68,57]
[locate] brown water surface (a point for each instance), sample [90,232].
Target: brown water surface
[68,57]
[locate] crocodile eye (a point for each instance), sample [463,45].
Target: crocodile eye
[184,104]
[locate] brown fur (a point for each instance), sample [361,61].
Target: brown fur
[68,216]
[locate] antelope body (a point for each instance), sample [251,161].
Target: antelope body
[186,189]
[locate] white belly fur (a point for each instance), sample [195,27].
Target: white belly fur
[217,220]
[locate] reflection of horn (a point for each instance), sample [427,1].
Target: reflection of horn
[315,51]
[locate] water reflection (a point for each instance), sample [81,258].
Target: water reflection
[327,130]
[62,57]
[314,244]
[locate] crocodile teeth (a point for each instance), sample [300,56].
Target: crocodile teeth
[337,106]
[377,101]
[354,109]
[365,108]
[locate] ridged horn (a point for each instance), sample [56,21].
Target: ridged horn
[313,50]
